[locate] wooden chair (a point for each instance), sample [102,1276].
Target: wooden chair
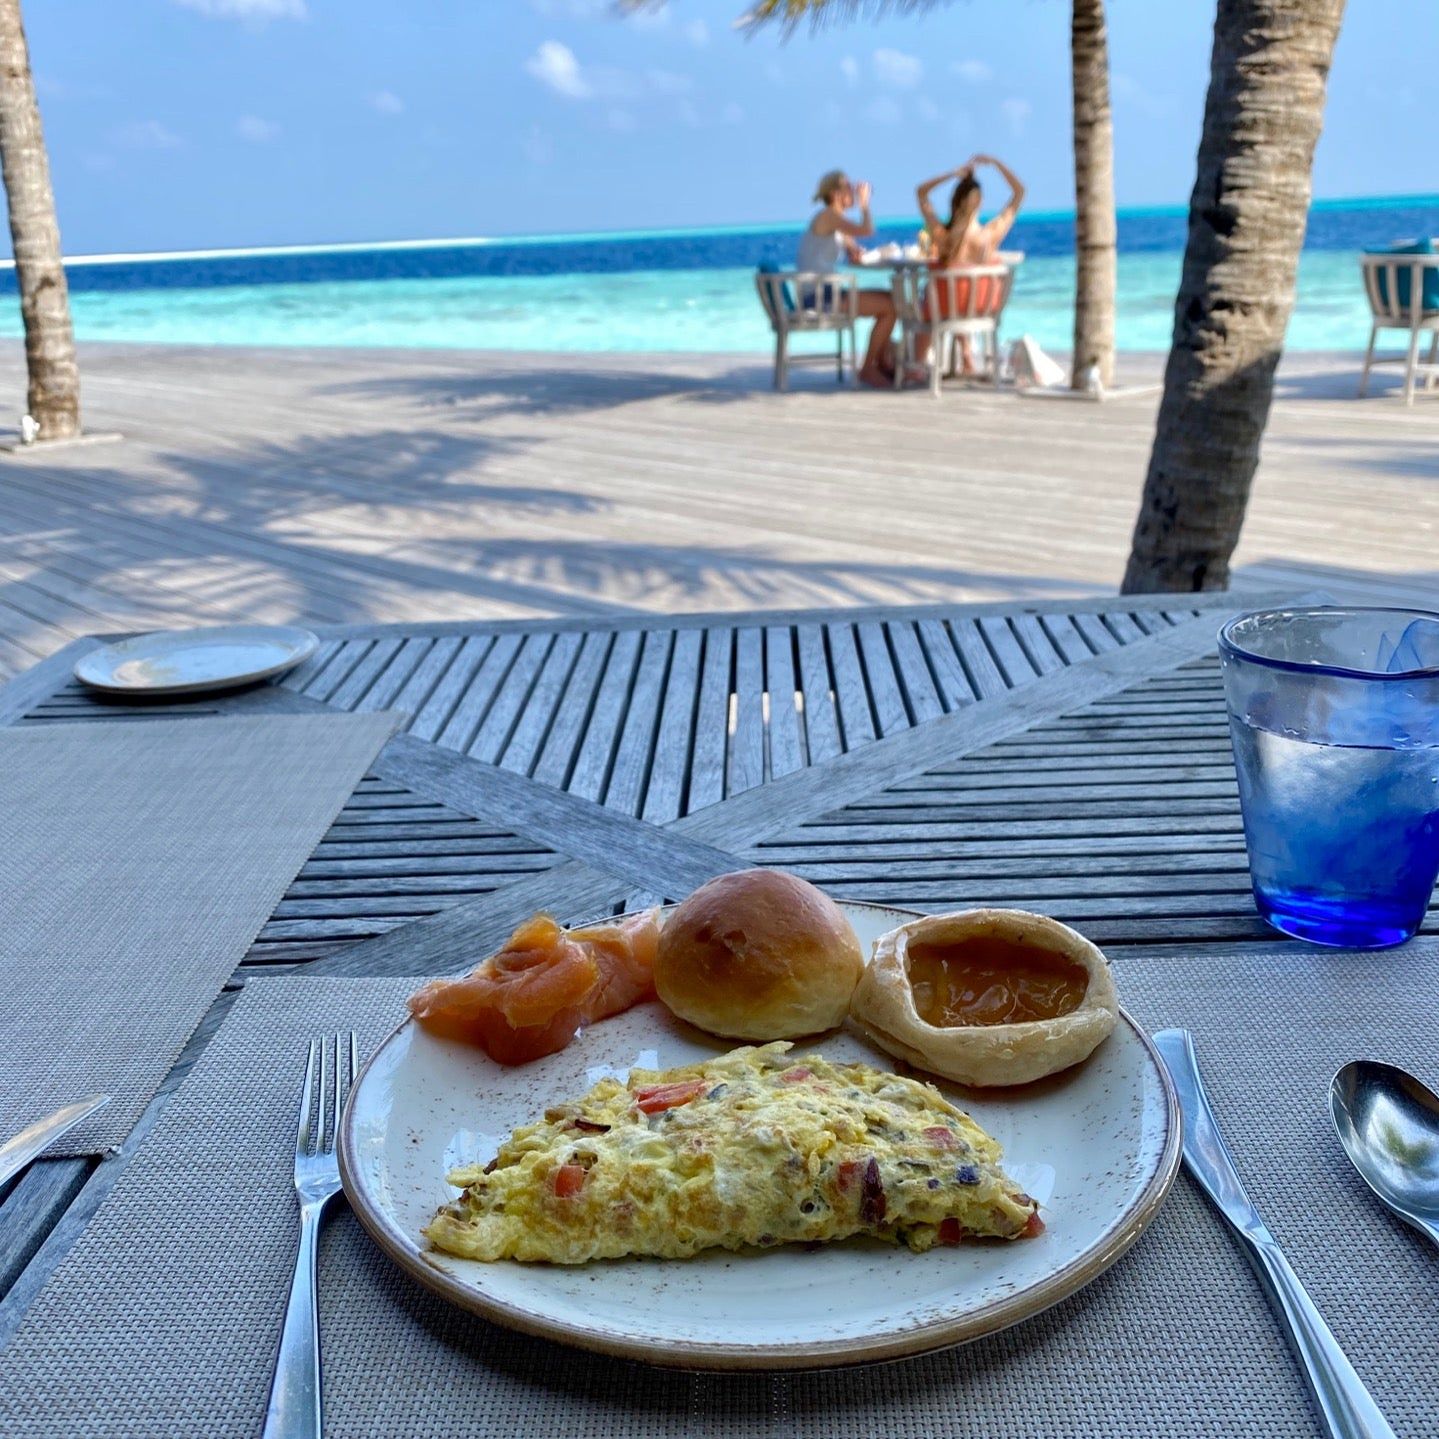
[796,302]
[1403,294]
[947,305]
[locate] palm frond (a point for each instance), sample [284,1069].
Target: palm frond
[789,15]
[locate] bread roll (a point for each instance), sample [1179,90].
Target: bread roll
[758,955]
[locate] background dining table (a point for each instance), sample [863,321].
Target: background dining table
[1066,756]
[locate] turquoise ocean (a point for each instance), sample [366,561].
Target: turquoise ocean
[678,290]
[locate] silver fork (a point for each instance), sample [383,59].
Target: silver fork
[296,1408]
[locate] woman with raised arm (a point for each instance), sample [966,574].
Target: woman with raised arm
[963,239]
[831,239]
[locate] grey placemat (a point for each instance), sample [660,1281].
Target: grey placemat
[137,864]
[163,1319]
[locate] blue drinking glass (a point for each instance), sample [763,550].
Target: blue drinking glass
[1334,718]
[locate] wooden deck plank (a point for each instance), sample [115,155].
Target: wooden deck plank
[392,680]
[567,822]
[850,690]
[436,659]
[358,682]
[1040,650]
[1094,630]
[450,687]
[480,683]
[747,740]
[786,736]
[557,752]
[821,714]
[591,772]
[458,701]
[512,699]
[711,744]
[533,724]
[669,772]
[1014,664]
[881,676]
[921,694]
[640,735]
[984,674]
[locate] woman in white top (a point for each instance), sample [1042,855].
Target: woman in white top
[828,242]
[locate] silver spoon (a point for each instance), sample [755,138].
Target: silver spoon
[1388,1123]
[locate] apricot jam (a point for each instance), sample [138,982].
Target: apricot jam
[986,979]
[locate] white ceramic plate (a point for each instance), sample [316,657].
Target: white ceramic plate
[172,662]
[1098,1147]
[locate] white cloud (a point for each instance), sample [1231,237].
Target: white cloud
[256,130]
[667,82]
[849,68]
[975,71]
[897,70]
[732,114]
[146,135]
[386,102]
[537,148]
[256,10]
[620,121]
[697,33]
[1016,112]
[927,110]
[883,110]
[554,64]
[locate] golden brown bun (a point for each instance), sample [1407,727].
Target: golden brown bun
[758,955]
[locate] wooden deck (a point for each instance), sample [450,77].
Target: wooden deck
[338,486]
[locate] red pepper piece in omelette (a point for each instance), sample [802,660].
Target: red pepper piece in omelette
[659,1097]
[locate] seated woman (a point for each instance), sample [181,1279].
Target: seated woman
[828,242]
[963,240]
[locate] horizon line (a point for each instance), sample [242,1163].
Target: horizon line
[661,232]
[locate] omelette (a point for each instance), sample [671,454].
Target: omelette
[749,1149]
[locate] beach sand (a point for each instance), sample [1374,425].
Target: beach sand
[339,485]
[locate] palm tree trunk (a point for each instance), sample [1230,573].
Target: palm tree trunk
[1246,226]
[54,391]
[1094,225]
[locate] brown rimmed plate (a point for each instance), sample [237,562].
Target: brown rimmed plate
[1098,1146]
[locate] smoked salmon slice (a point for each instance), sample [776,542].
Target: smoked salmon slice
[544,986]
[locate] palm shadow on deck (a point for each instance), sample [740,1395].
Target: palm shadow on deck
[1340,584]
[404,502]
[553,389]
[388,524]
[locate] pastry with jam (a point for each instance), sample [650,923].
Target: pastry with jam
[987,996]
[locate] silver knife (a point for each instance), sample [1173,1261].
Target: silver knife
[15,1155]
[1346,1406]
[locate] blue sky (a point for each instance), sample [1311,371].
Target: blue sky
[177,124]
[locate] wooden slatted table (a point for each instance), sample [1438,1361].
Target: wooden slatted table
[1068,756]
